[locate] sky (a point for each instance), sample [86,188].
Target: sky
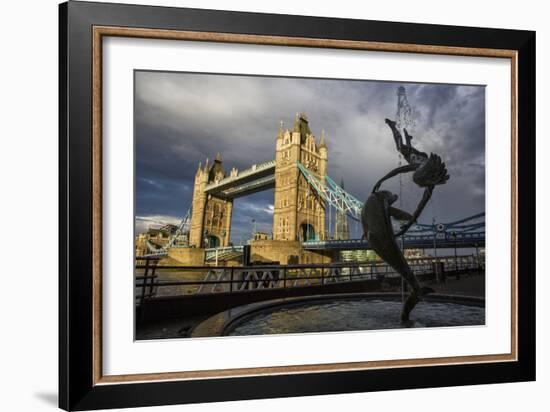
[180,119]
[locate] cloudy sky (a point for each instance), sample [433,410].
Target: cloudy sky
[183,118]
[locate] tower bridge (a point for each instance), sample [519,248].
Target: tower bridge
[299,208]
[303,195]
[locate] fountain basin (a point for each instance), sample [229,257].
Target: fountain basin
[342,312]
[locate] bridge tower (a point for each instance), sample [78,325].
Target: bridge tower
[299,212]
[211,216]
[341,227]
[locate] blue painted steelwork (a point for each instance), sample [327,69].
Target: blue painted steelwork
[344,202]
[455,226]
[333,194]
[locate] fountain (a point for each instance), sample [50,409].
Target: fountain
[366,311]
[352,313]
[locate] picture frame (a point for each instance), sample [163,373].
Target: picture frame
[83,27]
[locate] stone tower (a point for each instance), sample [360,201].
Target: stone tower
[211,216]
[299,213]
[341,228]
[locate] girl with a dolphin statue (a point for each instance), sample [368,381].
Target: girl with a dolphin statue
[428,172]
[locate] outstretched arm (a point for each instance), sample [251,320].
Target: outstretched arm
[394,172]
[396,134]
[421,205]
[400,214]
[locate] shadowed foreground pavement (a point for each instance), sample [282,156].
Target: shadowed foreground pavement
[469,285]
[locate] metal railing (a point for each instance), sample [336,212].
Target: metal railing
[232,279]
[146,284]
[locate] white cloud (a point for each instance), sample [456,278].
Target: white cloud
[144,223]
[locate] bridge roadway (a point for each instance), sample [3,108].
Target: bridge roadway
[254,179]
[443,240]
[462,240]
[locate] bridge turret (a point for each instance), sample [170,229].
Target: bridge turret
[296,123]
[198,206]
[301,126]
[322,143]
[283,137]
[211,216]
[298,214]
[216,171]
[323,153]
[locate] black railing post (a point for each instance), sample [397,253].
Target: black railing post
[477,258]
[231,280]
[144,282]
[152,282]
[284,277]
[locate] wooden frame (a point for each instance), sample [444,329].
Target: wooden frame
[82,27]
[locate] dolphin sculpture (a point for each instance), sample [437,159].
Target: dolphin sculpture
[428,172]
[378,230]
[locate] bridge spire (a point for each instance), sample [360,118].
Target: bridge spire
[323,142]
[297,122]
[301,125]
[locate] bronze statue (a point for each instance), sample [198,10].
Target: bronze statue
[428,171]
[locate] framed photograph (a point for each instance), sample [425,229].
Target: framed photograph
[256,205]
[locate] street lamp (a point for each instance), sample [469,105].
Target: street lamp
[436,266]
[453,234]
[253,228]
[478,261]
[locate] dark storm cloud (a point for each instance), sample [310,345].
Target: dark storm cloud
[181,119]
